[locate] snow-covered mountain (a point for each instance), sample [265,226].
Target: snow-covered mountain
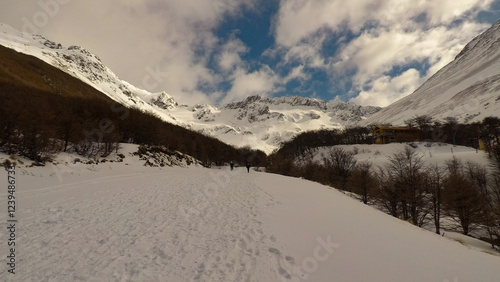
[264,123]
[468,88]
[261,123]
[85,66]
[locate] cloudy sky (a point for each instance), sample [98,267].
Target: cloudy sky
[372,52]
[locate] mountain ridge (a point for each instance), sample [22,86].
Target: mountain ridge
[467,88]
[261,123]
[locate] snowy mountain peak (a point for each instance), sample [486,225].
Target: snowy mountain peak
[259,122]
[86,66]
[243,104]
[164,101]
[487,41]
[339,111]
[301,101]
[290,101]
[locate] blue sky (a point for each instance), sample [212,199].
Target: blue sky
[372,52]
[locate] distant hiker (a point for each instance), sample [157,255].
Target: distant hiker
[248,167]
[232,165]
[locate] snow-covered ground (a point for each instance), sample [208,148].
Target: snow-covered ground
[430,152]
[122,221]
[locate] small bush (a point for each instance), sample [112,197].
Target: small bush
[7,163]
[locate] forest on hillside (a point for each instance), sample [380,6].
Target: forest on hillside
[406,187]
[45,111]
[449,131]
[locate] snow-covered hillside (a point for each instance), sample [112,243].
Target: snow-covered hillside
[431,153]
[467,88]
[261,123]
[122,221]
[83,65]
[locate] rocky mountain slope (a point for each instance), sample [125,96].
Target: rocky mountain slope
[261,123]
[468,88]
[265,123]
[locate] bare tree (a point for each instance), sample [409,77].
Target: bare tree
[434,181]
[388,197]
[495,158]
[450,127]
[492,221]
[423,122]
[341,163]
[407,169]
[400,188]
[463,199]
[362,181]
[410,123]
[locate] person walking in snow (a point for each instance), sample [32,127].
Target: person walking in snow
[231,164]
[248,167]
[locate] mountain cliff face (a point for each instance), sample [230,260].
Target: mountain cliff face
[261,123]
[468,88]
[265,123]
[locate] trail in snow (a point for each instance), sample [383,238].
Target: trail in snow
[179,225]
[119,222]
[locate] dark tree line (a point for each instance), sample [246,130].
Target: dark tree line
[451,131]
[466,193]
[305,143]
[448,131]
[38,125]
[45,110]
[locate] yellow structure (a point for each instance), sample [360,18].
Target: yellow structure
[482,145]
[390,134]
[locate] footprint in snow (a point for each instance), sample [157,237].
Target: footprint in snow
[274,251]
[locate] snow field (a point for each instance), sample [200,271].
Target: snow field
[367,244]
[119,222]
[431,153]
[127,222]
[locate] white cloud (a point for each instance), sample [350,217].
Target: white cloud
[377,51]
[230,54]
[385,34]
[385,89]
[446,11]
[373,59]
[177,38]
[296,73]
[371,54]
[306,53]
[297,19]
[133,37]
[260,82]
